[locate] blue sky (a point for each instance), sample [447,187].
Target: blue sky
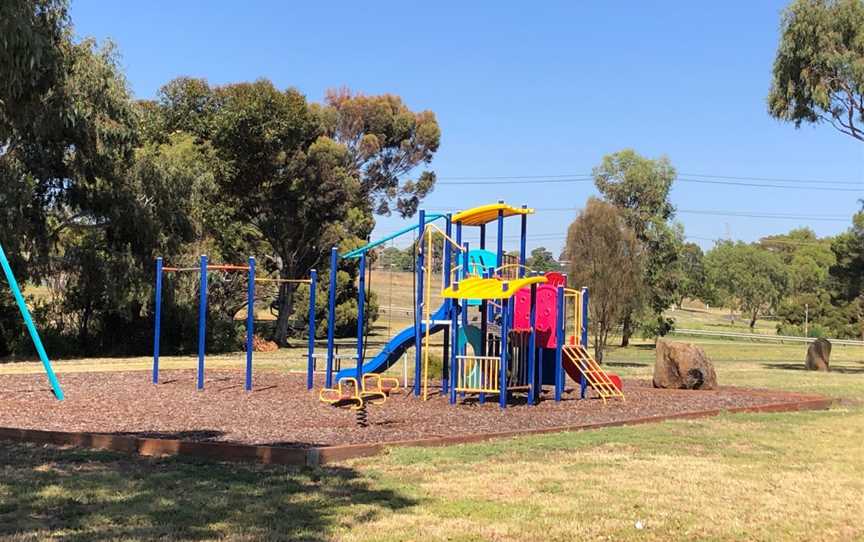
[529,89]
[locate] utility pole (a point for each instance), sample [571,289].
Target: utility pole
[806,319]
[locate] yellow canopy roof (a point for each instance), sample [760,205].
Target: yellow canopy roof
[493,288]
[487,213]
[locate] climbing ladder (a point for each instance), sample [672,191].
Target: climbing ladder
[596,377]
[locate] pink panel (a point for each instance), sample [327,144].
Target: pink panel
[546,313]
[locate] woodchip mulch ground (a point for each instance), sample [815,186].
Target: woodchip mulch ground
[281,412]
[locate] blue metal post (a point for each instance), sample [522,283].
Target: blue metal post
[505,330]
[583,339]
[454,363]
[418,313]
[250,322]
[31,327]
[559,344]
[310,365]
[500,255]
[484,319]
[331,315]
[532,349]
[465,264]
[522,244]
[445,269]
[157,317]
[361,321]
[202,322]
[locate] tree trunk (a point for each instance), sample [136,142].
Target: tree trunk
[85,325]
[599,343]
[286,308]
[753,321]
[626,330]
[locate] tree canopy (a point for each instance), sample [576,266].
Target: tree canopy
[818,72]
[605,256]
[640,187]
[94,186]
[747,277]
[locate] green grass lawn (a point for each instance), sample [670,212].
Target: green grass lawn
[788,476]
[735,477]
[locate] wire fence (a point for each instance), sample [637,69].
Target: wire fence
[760,337]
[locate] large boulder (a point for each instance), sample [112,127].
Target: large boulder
[818,354]
[683,366]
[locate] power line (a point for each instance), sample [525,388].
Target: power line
[568,180]
[738,214]
[524,181]
[777,186]
[579,177]
[773,179]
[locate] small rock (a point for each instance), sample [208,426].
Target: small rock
[683,366]
[818,354]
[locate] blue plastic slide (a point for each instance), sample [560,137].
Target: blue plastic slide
[397,346]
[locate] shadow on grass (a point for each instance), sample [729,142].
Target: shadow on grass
[800,367]
[85,495]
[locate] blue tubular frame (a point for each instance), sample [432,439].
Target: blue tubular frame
[202,323]
[559,333]
[505,330]
[532,349]
[454,325]
[31,327]
[522,244]
[366,248]
[250,321]
[448,250]
[500,253]
[463,350]
[157,324]
[583,382]
[361,311]
[418,312]
[310,362]
[484,305]
[331,318]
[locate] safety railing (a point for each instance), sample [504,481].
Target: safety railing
[477,374]
[574,319]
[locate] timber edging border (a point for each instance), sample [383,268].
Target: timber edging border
[237,452]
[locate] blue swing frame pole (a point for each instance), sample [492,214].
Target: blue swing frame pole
[310,362]
[361,324]
[31,327]
[202,323]
[250,321]
[157,319]
[418,312]
[331,310]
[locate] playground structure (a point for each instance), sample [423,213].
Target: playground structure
[251,279]
[503,324]
[519,344]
